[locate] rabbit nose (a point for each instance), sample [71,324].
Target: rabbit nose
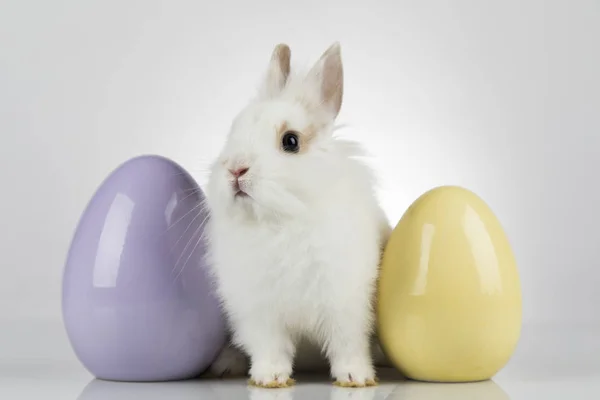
[238,172]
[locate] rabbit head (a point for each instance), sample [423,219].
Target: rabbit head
[280,155]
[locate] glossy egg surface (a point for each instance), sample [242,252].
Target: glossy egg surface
[138,304]
[449,299]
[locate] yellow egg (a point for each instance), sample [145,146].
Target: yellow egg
[449,296]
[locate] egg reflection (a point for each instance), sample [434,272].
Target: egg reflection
[487,390]
[189,390]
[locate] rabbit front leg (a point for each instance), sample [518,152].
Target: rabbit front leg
[348,344]
[271,349]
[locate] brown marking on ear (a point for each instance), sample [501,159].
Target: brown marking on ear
[332,86]
[278,72]
[326,79]
[283,55]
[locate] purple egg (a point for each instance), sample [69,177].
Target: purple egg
[138,303]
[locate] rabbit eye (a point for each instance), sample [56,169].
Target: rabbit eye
[290,142]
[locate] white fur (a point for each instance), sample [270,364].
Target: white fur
[298,259]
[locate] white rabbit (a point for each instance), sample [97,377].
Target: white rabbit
[296,231]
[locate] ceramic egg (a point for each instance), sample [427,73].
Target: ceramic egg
[137,301]
[449,296]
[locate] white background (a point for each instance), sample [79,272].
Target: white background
[500,97]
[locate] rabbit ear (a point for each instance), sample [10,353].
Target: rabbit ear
[328,76]
[278,72]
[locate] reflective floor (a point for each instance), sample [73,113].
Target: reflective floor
[313,389]
[551,363]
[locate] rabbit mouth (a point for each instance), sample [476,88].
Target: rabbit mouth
[238,191]
[241,193]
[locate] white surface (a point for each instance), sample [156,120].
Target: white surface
[551,362]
